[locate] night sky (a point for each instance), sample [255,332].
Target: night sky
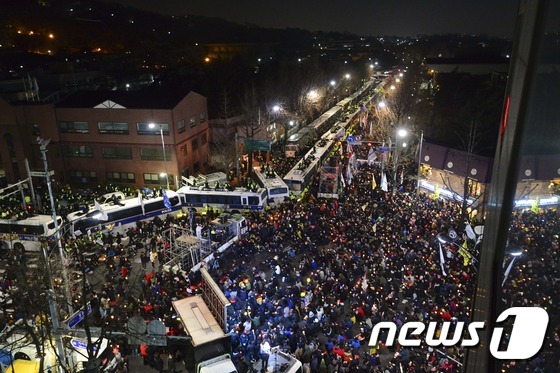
[361,17]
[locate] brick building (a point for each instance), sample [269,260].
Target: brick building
[114,137]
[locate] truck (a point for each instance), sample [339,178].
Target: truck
[208,349]
[282,362]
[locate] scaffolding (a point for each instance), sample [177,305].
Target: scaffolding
[185,249]
[328,182]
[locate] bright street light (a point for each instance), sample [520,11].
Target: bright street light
[276,108]
[347,76]
[313,95]
[402,132]
[382,104]
[333,83]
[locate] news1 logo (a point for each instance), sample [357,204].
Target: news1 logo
[525,340]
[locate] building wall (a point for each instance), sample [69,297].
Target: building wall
[10,153]
[192,161]
[23,123]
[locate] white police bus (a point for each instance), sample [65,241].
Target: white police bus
[28,233]
[122,213]
[231,199]
[277,190]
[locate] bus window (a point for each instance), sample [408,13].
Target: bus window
[275,191]
[254,201]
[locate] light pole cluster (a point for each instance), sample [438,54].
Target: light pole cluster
[163,174]
[399,134]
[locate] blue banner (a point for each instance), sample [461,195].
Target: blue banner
[166,200]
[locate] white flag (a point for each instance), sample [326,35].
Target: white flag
[371,156]
[508,270]
[441,260]
[141,202]
[349,174]
[469,231]
[353,159]
[100,209]
[384,186]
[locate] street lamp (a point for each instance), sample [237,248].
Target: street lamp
[163,174]
[400,132]
[419,164]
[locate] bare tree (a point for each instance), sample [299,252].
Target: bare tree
[253,121]
[30,322]
[470,142]
[403,98]
[223,137]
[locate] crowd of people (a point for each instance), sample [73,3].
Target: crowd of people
[314,276]
[337,268]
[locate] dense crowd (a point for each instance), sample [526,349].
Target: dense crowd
[339,267]
[313,277]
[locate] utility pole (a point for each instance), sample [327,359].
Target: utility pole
[419,164]
[30,184]
[43,147]
[51,294]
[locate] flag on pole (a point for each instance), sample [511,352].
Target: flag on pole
[535,206]
[436,192]
[371,156]
[98,207]
[353,159]
[465,254]
[166,199]
[373,183]
[441,260]
[384,186]
[470,232]
[349,174]
[141,202]
[508,270]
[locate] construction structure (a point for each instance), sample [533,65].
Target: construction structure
[185,249]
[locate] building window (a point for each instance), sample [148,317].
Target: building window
[194,144]
[474,188]
[146,129]
[78,152]
[73,127]
[202,116]
[83,176]
[117,153]
[154,154]
[120,128]
[158,179]
[120,177]
[35,130]
[183,150]
[192,121]
[203,139]
[196,167]
[181,126]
